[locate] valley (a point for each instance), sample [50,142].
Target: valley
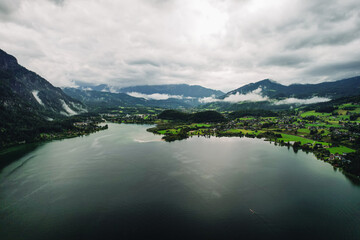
[173,119]
[320,118]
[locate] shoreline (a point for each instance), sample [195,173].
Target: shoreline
[169,137]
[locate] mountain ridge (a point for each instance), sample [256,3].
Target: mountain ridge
[181,89]
[97,100]
[335,89]
[185,90]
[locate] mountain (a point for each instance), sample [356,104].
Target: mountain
[274,90]
[185,90]
[29,104]
[166,96]
[24,89]
[101,87]
[96,100]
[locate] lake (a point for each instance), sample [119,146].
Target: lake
[126,183]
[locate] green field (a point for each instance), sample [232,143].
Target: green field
[304,130]
[340,150]
[243,131]
[323,125]
[245,118]
[357,110]
[292,138]
[313,113]
[341,111]
[200,125]
[172,131]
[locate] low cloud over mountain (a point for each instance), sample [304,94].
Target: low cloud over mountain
[155,96]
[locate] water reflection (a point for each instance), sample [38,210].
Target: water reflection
[9,155]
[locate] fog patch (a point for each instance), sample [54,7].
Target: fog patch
[155,96]
[254,96]
[302,101]
[209,99]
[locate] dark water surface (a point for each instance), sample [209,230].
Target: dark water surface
[124,183]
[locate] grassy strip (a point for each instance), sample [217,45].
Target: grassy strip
[340,150]
[313,113]
[243,131]
[292,138]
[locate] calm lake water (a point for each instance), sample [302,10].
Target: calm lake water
[124,183]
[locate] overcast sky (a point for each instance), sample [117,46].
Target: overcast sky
[222,44]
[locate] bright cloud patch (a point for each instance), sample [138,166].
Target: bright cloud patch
[35,93]
[209,99]
[154,96]
[254,96]
[302,101]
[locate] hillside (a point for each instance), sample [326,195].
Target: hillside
[274,90]
[24,89]
[29,104]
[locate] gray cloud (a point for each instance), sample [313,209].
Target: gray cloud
[221,44]
[59,2]
[143,62]
[326,39]
[285,60]
[8,6]
[334,68]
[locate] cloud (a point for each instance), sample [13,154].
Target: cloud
[254,96]
[59,2]
[154,96]
[209,99]
[333,68]
[285,60]
[7,7]
[221,44]
[302,101]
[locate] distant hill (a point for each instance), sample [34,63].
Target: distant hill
[168,96]
[96,100]
[245,105]
[274,90]
[185,90]
[333,103]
